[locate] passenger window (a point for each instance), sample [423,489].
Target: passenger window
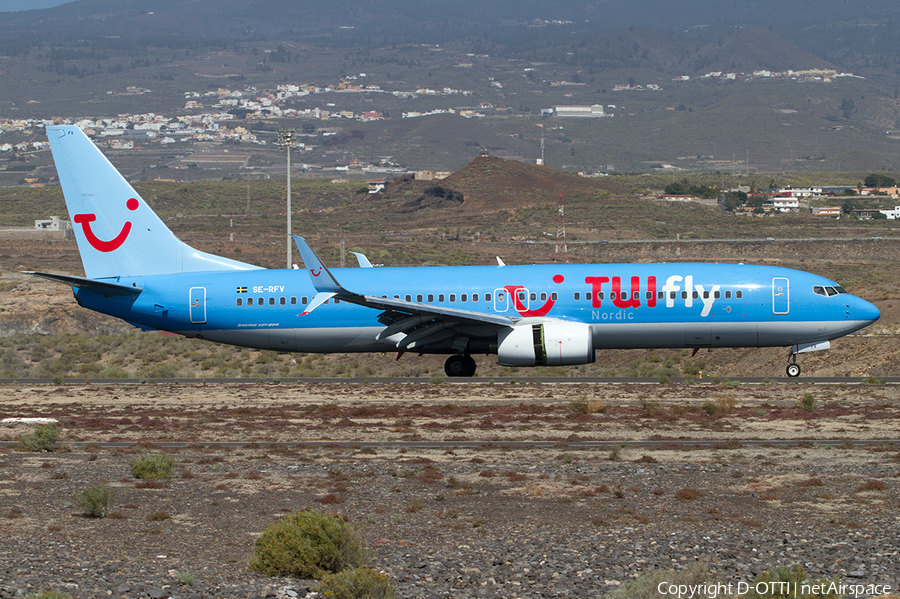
[396,296]
[408,298]
[533,296]
[661,295]
[684,295]
[738,294]
[419,298]
[649,295]
[249,301]
[500,297]
[728,294]
[706,295]
[337,301]
[282,301]
[487,297]
[576,296]
[430,298]
[521,295]
[463,297]
[271,301]
[440,297]
[671,295]
[716,294]
[293,301]
[452,297]
[695,295]
[543,297]
[260,301]
[240,301]
[612,295]
[553,296]
[303,300]
[474,297]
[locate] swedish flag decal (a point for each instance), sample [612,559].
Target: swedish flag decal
[242,290]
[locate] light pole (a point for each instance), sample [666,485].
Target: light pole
[286,139]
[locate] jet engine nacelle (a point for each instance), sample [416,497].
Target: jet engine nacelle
[546,344]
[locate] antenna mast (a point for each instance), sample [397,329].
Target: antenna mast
[561,232]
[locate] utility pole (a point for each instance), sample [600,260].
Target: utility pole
[286,139]
[561,232]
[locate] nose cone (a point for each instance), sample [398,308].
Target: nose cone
[866,311]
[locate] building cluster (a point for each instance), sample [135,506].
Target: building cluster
[823,75]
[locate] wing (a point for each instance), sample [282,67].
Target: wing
[409,325]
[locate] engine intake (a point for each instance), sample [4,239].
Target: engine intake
[546,344]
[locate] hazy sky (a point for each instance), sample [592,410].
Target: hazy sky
[15,5]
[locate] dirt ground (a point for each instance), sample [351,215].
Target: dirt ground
[494,519]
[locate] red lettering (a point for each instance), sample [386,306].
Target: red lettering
[634,301]
[651,292]
[595,283]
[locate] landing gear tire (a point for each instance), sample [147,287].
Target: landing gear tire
[460,366]
[793,370]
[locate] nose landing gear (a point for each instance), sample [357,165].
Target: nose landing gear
[458,366]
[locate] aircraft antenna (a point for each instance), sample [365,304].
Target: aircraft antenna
[561,232]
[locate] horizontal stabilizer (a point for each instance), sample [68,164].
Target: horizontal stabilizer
[101,287]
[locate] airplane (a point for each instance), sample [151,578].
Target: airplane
[137,270]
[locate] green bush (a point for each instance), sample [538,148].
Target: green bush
[808,402]
[308,543]
[95,500]
[646,586]
[54,594]
[795,576]
[43,437]
[152,466]
[357,583]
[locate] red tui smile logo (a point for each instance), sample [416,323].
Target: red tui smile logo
[116,242]
[519,302]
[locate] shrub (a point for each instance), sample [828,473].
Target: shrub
[54,594]
[95,500]
[584,405]
[688,494]
[793,575]
[647,584]
[808,402]
[152,466]
[357,583]
[43,437]
[308,543]
[185,578]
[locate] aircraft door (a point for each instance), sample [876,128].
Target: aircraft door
[781,298]
[198,305]
[501,300]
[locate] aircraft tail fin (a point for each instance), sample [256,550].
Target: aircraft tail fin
[118,234]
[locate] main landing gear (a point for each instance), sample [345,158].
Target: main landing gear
[457,366]
[793,369]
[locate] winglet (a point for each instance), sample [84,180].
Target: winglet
[362,259]
[317,301]
[500,262]
[321,277]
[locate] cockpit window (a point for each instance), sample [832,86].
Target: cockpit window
[828,291]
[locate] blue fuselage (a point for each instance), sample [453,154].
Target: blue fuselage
[626,305]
